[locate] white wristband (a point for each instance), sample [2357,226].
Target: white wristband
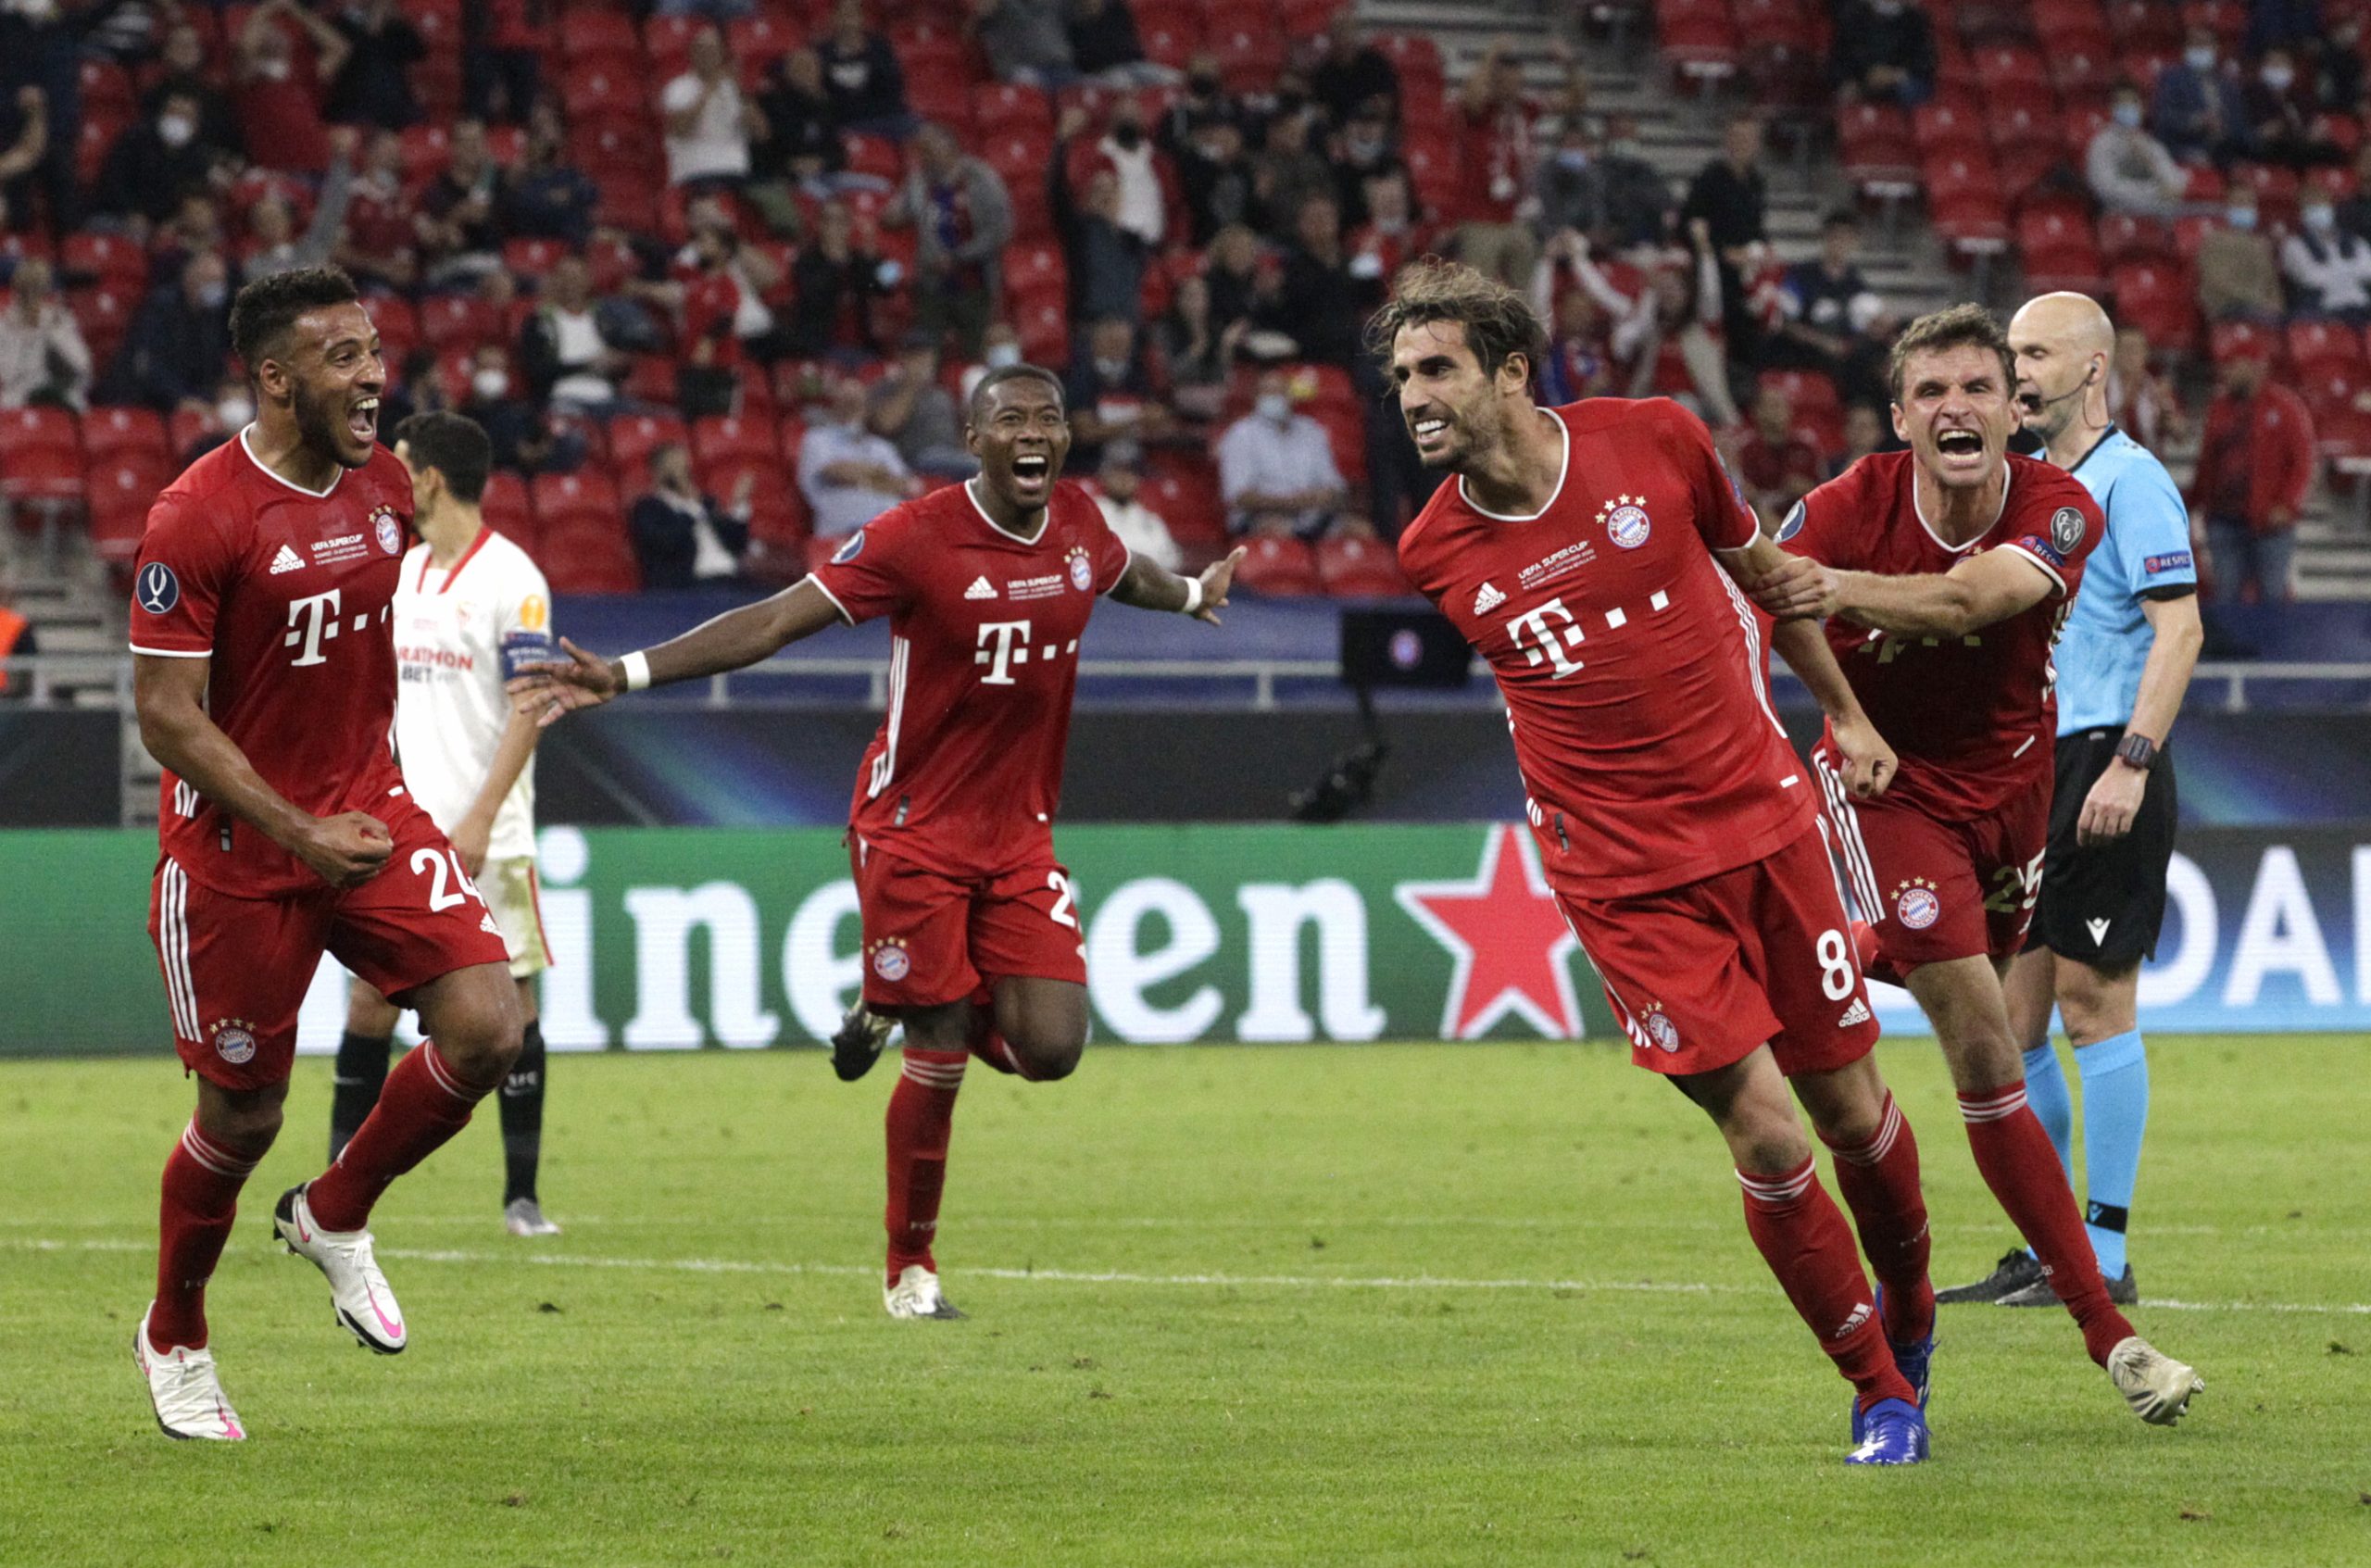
[637,668]
[1193,596]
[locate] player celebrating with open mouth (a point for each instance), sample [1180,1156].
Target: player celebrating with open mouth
[970,926]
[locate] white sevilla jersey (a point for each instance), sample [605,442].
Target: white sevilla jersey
[458,634]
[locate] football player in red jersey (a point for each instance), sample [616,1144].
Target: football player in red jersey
[971,925]
[1588,552]
[264,674]
[1944,573]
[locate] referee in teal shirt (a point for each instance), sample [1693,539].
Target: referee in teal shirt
[2123,662]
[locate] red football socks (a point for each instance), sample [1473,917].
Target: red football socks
[2015,1158]
[201,1197]
[422,1106]
[1878,1181]
[921,1113]
[1803,1238]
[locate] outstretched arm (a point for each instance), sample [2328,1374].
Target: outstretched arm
[734,640]
[1763,568]
[1977,593]
[1147,584]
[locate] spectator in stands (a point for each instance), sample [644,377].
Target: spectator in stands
[681,536]
[1884,52]
[909,408]
[1204,101]
[1216,177]
[1495,128]
[1105,48]
[1106,262]
[1567,103]
[2130,170]
[2333,59]
[1197,352]
[1238,276]
[710,124]
[277,246]
[1144,531]
[1286,171]
[836,283]
[2200,112]
[2328,269]
[1778,463]
[1352,77]
[380,245]
[279,103]
[2239,272]
[1388,239]
[1580,355]
[173,355]
[2140,399]
[153,162]
[1864,431]
[1320,306]
[1667,338]
[2355,211]
[2281,111]
[523,435]
[1110,391]
[1363,150]
[999,346]
[197,224]
[1145,174]
[459,240]
[569,356]
[1638,200]
[182,68]
[1276,469]
[502,62]
[860,72]
[1026,41]
[42,357]
[2255,468]
[726,319]
[1832,320]
[1570,187]
[850,475]
[2281,24]
[1730,198]
[801,143]
[373,87]
[547,198]
[39,49]
[963,219]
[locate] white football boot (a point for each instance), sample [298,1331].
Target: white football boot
[916,1295]
[524,1216]
[2157,1387]
[185,1390]
[358,1290]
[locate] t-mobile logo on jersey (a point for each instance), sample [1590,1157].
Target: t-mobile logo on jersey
[1003,644]
[1541,641]
[312,620]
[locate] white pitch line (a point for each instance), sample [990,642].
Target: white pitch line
[1118,1276]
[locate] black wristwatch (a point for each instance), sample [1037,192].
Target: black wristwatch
[2137,751]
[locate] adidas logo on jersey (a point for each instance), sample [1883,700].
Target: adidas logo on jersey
[488,926]
[286,560]
[1487,600]
[1857,1013]
[980,588]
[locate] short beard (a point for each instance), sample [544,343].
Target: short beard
[320,428]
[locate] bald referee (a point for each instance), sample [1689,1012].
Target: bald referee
[2123,665]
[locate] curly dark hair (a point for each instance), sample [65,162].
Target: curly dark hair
[1499,322]
[1955,326]
[266,309]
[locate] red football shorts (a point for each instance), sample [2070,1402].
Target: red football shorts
[1937,890]
[930,939]
[236,969]
[1700,975]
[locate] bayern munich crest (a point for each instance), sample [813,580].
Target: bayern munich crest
[389,531]
[1916,906]
[1625,521]
[1661,1029]
[890,960]
[1082,573]
[235,1041]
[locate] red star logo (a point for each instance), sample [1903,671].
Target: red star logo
[1509,940]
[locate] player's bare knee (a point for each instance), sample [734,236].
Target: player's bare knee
[1049,1054]
[243,1124]
[481,1042]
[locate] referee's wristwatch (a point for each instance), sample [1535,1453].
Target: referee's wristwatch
[2137,751]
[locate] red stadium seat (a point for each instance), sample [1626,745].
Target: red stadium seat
[1812,393]
[119,496]
[1963,202]
[1001,108]
[2125,238]
[105,315]
[755,43]
[876,155]
[1875,145]
[1183,487]
[632,437]
[2159,299]
[729,438]
[1250,47]
[1045,332]
[597,32]
[1355,567]
[2058,253]
[1280,568]
[103,259]
[2229,340]
[529,259]
[41,455]
[563,500]
[124,433]
[1169,40]
[1945,129]
[1414,55]
[2313,346]
[508,511]
[462,322]
[588,559]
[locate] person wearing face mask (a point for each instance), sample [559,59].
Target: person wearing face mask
[2239,274]
[2130,170]
[2280,112]
[153,162]
[1214,175]
[1570,185]
[1365,151]
[182,67]
[2199,112]
[2328,269]
[1110,391]
[278,96]
[2256,464]
[172,358]
[1884,53]
[1276,469]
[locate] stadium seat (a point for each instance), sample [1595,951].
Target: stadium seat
[1944,129]
[599,32]
[1812,393]
[459,322]
[1183,487]
[113,433]
[755,43]
[632,437]
[528,259]
[1963,203]
[2158,299]
[2230,339]
[508,511]
[1359,568]
[1169,40]
[84,257]
[2058,252]
[1280,568]
[590,558]
[1876,146]
[1250,47]
[2313,346]
[2124,237]
[564,501]
[1002,109]
[118,496]
[730,438]
[41,455]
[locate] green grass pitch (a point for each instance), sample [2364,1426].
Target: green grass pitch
[1408,1304]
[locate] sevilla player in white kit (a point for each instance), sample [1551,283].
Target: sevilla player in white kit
[471,608]
[265,679]
[971,930]
[1587,553]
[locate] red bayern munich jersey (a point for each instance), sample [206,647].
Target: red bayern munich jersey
[1632,667]
[965,772]
[1972,721]
[287,592]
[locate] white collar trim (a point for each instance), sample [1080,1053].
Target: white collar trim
[248,447]
[1563,468]
[2008,475]
[971,495]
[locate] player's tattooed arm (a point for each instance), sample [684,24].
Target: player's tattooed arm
[1983,589]
[1869,762]
[169,696]
[1147,585]
[732,641]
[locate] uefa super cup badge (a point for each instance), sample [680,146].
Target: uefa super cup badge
[235,1041]
[1916,905]
[890,960]
[389,528]
[1625,521]
[1082,570]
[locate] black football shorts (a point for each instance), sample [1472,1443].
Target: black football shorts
[2102,904]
